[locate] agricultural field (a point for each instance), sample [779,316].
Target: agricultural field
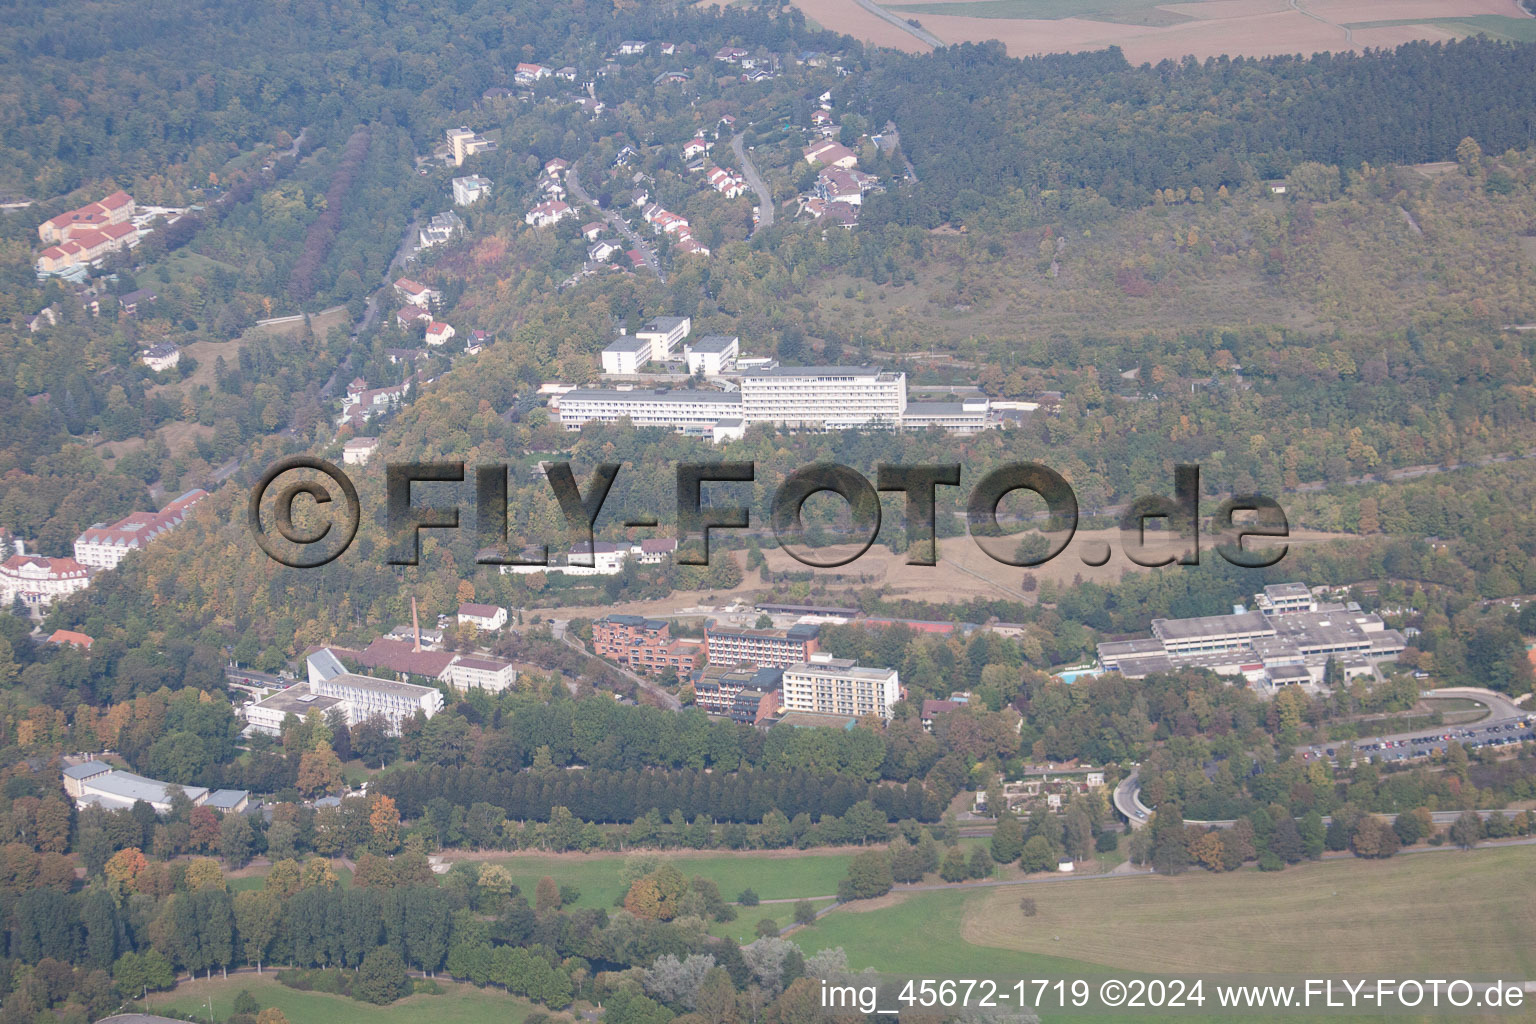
[1149,31]
[458,1004]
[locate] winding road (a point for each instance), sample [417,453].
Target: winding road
[764,197]
[617,223]
[1502,713]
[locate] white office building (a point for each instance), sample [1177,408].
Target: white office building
[837,686]
[824,397]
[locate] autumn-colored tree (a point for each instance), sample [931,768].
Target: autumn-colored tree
[284,879]
[546,895]
[656,895]
[317,872]
[271,1015]
[1205,849]
[496,880]
[51,826]
[205,828]
[124,867]
[319,772]
[372,872]
[384,822]
[204,873]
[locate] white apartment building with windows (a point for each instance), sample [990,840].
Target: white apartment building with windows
[626,354]
[468,189]
[362,697]
[489,674]
[837,686]
[824,397]
[664,333]
[686,411]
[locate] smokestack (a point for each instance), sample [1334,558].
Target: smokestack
[415,626]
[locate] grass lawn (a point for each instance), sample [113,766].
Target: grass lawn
[744,928]
[771,874]
[258,878]
[459,1004]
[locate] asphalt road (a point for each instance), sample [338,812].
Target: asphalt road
[915,31]
[764,197]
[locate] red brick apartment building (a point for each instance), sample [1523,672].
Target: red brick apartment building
[645,645]
[765,648]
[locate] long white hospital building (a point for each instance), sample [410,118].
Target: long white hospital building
[358,697]
[804,397]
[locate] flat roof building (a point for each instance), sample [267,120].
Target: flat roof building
[690,412]
[839,686]
[824,397]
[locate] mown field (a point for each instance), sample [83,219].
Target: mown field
[773,875]
[1444,912]
[458,1004]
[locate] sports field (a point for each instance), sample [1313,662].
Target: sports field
[1150,31]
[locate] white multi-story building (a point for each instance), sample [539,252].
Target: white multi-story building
[664,333]
[825,397]
[468,189]
[1285,598]
[490,674]
[443,227]
[837,686]
[465,143]
[968,416]
[362,697]
[103,547]
[38,581]
[686,411]
[626,354]
[712,354]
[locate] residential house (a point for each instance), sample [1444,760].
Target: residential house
[409,317]
[591,230]
[488,617]
[566,74]
[527,74]
[417,294]
[443,227]
[438,333]
[696,146]
[548,214]
[730,54]
[469,189]
[358,450]
[132,302]
[557,167]
[602,251]
[727,183]
[74,639]
[159,357]
[830,154]
[631,48]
